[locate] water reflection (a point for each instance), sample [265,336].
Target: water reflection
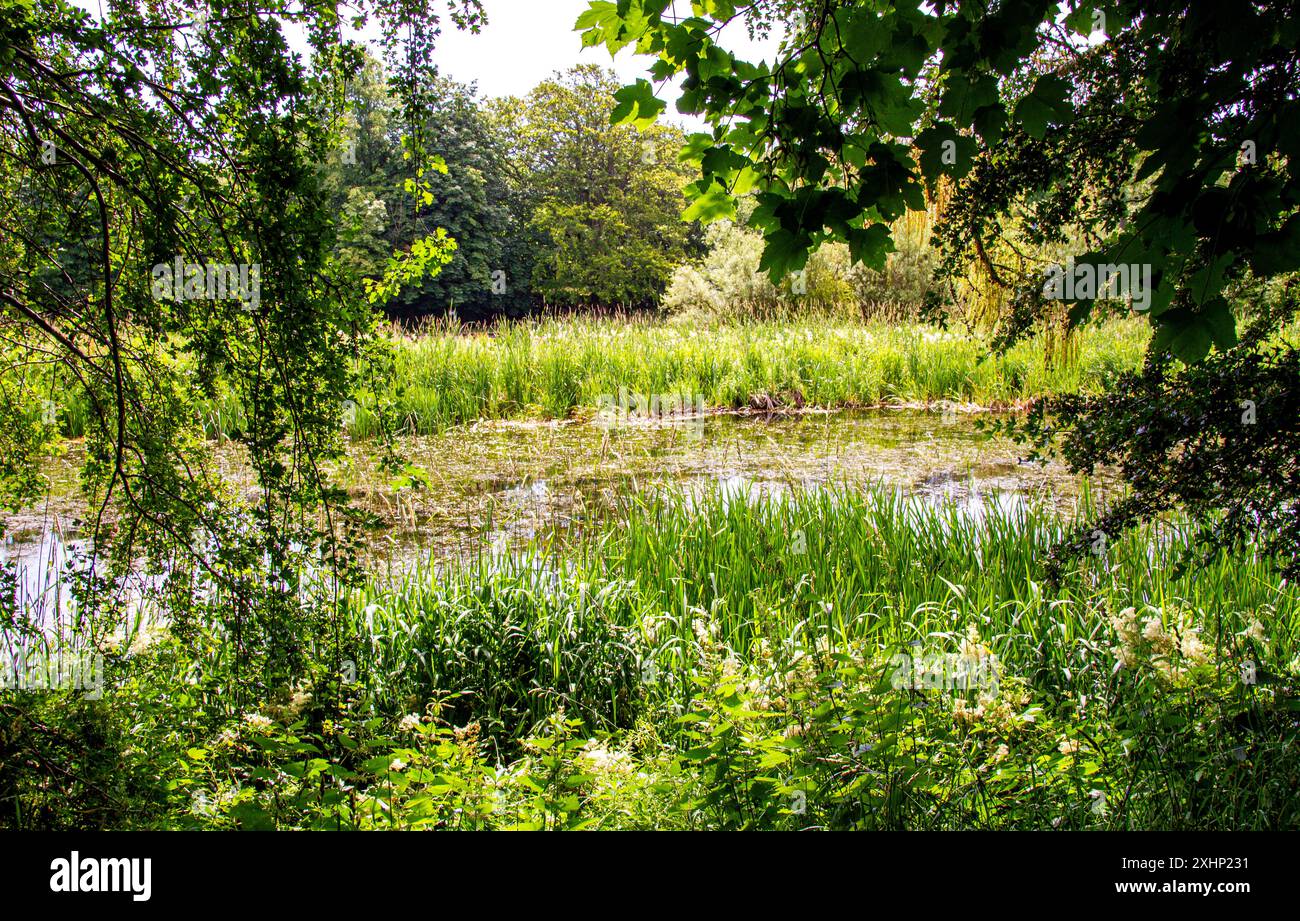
[495,484]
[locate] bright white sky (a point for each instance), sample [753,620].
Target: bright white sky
[526,41]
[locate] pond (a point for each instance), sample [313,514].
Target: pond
[504,481]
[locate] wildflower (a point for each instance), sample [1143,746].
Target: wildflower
[972,647]
[298,702]
[1125,622]
[1125,657]
[730,666]
[409,723]
[257,721]
[1068,747]
[651,627]
[756,690]
[703,629]
[1152,629]
[965,714]
[1126,629]
[397,765]
[143,640]
[601,760]
[1192,649]
[201,805]
[110,644]
[467,734]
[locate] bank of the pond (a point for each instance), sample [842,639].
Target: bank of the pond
[554,368]
[565,367]
[560,368]
[501,481]
[838,658]
[848,564]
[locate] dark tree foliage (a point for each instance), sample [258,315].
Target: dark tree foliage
[549,205]
[469,200]
[1220,437]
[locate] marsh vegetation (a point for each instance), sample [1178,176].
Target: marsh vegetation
[907,439]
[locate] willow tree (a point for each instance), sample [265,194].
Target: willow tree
[1157,138]
[165,246]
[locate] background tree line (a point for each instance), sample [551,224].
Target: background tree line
[549,204]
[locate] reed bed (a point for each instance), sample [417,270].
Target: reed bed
[558,368]
[544,627]
[555,368]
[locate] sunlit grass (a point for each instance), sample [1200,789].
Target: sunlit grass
[554,368]
[854,566]
[559,367]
